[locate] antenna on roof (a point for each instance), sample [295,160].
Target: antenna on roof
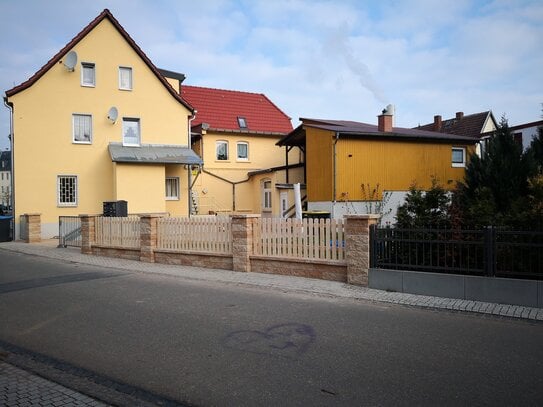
[70,61]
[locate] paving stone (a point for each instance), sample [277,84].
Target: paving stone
[20,390]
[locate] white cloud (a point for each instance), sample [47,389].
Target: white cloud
[335,59]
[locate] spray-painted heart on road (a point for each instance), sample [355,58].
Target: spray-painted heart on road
[284,340]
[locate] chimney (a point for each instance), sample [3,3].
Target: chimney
[459,115]
[437,122]
[384,123]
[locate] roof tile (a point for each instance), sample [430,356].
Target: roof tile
[220,109]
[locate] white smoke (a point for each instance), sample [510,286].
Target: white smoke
[337,44]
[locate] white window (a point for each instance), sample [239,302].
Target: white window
[172,188]
[243,151]
[458,156]
[125,78]
[131,131]
[88,74]
[266,196]
[222,150]
[82,128]
[67,190]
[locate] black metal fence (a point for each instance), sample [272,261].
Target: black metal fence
[69,231]
[488,252]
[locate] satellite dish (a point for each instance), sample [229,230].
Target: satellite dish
[70,61]
[112,114]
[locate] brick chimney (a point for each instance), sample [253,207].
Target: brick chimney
[437,122]
[386,119]
[384,123]
[459,115]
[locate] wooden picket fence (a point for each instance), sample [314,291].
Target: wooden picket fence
[322,239]
[197,234]
[117,231]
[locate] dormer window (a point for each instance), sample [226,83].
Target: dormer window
[242,122]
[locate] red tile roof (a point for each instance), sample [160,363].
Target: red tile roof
[221,108]
[106,14]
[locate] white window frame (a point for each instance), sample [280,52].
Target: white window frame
[130,78]
[217,144]
[243,143]
[88,65]
[266,196]
[75,200]
[177,194]
[131,120]
[458,164]
[89,116]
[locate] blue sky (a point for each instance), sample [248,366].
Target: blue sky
[324,59]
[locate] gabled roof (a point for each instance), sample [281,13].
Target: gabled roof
[220,109]
[471,125]
[364,130]
[106,14]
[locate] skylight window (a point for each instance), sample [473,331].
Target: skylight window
[242,122]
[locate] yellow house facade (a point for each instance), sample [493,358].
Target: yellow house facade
[99,123]
[349,163]
[235,133]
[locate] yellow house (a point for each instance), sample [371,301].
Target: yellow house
[350,163]
[236,133]
[99,123]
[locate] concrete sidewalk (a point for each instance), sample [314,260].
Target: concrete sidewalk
[278,282]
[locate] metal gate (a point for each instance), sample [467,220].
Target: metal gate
[69,231]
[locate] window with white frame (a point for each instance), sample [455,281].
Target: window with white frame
[243,151]
[222,150]
[131,131]
[82,128]
[88,74]
[172,188]
[67,190]
[458,156]
[266,196]
[125,78]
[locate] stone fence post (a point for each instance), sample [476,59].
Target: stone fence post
[32,234]
[148,237]
[88,234]
[357,247]
[242,240]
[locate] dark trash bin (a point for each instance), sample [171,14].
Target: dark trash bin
[6,234]
[316,214]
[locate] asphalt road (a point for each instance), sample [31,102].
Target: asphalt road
[212,344]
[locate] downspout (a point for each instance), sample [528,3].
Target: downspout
[334,175]
[189,180]
[233,183]
[9,105]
